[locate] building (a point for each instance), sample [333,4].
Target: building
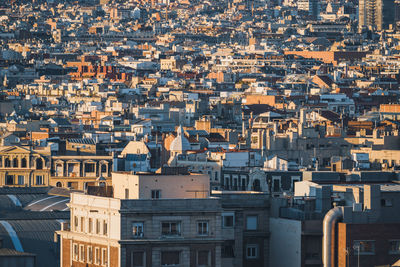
[336,224]
[165,223]
[378,14]
[311,6]
[24,166]
[79,171]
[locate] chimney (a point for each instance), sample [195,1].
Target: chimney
[372,197]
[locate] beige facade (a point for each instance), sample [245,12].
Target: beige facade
[147,186]
[91,237]
[168,64]
[223,231]
[121,230]
[23,166]
[388,158]
[78,172]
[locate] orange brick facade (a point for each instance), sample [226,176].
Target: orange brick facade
[391,108]
[260,99]
[68,254]
[96,67]
[380,234]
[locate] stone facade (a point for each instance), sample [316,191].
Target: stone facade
[24,166]
[226,230]
[78,172]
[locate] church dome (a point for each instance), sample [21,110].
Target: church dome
[180,143]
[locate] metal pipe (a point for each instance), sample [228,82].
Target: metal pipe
[330,220]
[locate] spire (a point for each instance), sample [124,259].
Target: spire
[5,81]
[179,131]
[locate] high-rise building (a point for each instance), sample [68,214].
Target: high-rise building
[378,14]
[312,6]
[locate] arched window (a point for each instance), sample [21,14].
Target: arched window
[7,163]
[23,163]
[59,169]
[39,164]
[59,184]
[103,168]
[256,185]
[15,163]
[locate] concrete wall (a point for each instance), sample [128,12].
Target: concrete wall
[285,239]
[171,186]
[305,188]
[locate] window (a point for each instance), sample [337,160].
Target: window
[39,164]
[9,179]
[76,252]
[89,167]
[216,176]
[170,258]
[386,202]
[170,228]
[90,225]
[15,163]
[82,224]
[137,259]
[252,252]
[103,168]
[105,227]
[251,222]
[203,258]
[126,193]
[81,253]
[228,249]
[155,193]
[76,223]
[228,220]
[90,254]
[276,184]
[23,163]
[7,163]
[21,179]
[104,257]
[137,229]
[366,247]
[97,226]
[394,247]
[202,228]
[97,256]
[39,179]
